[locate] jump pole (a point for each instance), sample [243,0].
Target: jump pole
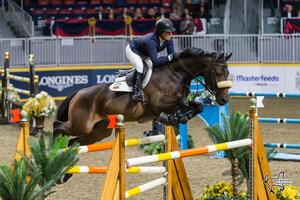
[129,142]
[279,120]
[282,146]
[255,94]
[188,152]
[103,170]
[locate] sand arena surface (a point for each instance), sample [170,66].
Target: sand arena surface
[201,170]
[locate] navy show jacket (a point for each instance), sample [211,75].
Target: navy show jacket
[149,45]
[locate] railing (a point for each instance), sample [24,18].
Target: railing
[21,19]
[227,17]
[52,51]
[283,23]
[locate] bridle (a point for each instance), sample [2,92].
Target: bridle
[198,80]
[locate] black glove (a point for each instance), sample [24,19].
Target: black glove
[175,56]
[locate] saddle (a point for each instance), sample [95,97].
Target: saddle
[123,82]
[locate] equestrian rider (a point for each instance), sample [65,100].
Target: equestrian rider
[148,46]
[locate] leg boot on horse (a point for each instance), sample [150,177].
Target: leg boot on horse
[137,91]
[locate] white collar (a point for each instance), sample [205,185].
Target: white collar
[161,41]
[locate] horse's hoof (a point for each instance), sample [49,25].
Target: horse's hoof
[64,179]
[173,119]
[184,120]
[163,118]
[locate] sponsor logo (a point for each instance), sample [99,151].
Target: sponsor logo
[297,81]
[261,80]
[108,78]
[62,82]
[231,77]
[116,87]
[279,181]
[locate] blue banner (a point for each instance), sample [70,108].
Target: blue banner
[61,83]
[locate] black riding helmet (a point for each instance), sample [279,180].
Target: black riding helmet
[164,25]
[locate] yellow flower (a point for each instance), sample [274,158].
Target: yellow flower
[42,105]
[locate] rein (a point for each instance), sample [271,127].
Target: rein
[191,73]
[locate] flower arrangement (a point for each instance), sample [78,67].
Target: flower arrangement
[221,190]
[289,192]
[204,96]
[42,105]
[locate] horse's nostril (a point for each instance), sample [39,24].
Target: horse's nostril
[224,100]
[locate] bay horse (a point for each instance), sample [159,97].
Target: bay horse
[84,114]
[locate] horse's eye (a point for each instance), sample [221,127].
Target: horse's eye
[218,74]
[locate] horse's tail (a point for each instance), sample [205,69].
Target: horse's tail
[63,109]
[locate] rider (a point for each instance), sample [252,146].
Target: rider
[148,46]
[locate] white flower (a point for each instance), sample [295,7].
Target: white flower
[36,103]
[38,96]
[44,93]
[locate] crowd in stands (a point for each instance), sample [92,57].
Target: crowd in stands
[290,8]
[44,11]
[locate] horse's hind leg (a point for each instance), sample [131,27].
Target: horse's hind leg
[60,127]
[99,132]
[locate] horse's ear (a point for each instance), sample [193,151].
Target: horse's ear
[220,57]
[227,57]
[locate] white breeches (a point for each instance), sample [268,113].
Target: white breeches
[134,59]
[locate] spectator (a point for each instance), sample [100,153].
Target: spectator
[191,6]
[202,13]
[125,13]
[289,12]
[174,14]
[111,14]
[187,26]
[297,8]
[151,14]
[162,13]
[101,15]
[186,11]
[138,14]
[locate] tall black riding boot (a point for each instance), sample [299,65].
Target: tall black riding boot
[137,93]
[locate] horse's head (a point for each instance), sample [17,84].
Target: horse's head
[215,76]
[211,66]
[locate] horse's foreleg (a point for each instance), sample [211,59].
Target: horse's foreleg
[195,108]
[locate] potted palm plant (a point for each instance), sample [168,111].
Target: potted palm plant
[236,127]
[47,164]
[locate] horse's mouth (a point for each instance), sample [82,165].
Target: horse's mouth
[221,100]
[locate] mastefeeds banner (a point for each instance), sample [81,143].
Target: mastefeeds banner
[268,79]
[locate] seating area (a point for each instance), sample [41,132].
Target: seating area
[290,8]
[43,11]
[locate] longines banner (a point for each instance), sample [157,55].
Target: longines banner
[62,81]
